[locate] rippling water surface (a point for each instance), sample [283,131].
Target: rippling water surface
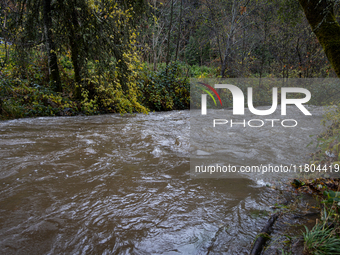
[114,184]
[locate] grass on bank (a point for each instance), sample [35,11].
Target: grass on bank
[324,237]
[321,240]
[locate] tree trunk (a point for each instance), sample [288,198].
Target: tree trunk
[169,33]
[50,48]
[227,58]
[227,61]
[320,16]
[263,57]
[300,58]
[154,44]
[75,51]
[0,106]
[76,66]
[179,30]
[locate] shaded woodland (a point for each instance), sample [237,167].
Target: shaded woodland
[68,57]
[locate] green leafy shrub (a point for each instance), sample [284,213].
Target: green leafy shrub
[186,70]
[331,208]
[164,90]
[332,197]
[20,99]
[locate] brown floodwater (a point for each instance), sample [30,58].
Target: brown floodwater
[114,184]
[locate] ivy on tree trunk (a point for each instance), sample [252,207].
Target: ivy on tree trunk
[320,16]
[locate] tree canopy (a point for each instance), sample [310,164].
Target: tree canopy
[90,30]
[132,56]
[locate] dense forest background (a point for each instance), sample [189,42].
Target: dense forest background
[63,57]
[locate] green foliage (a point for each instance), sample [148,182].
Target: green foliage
[191,52]
[89,106]
[195,54]
[164,90]
[321,240]
[22,99]
[107,95]
[332,197]
[330,213]
[186,70]
[196,71]
[32,95]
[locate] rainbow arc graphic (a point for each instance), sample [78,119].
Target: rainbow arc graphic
[209,93]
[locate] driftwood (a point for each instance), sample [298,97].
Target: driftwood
[263,236]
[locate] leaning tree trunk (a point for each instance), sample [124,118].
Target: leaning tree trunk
[320,16]
[50,48]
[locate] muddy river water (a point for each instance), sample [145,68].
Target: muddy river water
[114,184]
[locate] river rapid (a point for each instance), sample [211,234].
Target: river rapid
[113,184]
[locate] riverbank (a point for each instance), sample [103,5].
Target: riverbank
[309,206]
[306,223]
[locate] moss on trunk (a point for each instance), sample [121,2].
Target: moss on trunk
[320,15]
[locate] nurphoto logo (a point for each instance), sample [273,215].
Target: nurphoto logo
[238,104]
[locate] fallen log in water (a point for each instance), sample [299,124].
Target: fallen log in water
[263,236]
